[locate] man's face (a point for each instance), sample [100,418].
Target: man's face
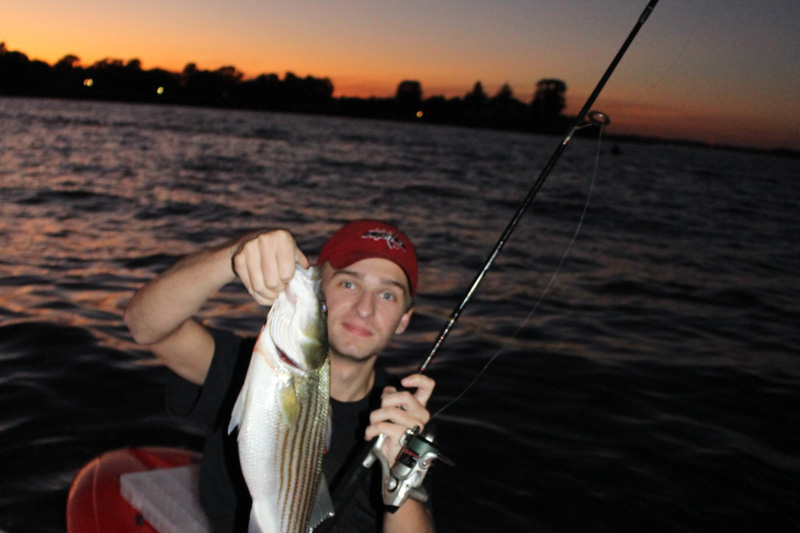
[367,304]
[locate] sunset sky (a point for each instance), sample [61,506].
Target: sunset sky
[716,71]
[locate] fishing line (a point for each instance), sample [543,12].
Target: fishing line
[645,91]
[549,283]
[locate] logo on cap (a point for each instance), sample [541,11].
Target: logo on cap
[392,240]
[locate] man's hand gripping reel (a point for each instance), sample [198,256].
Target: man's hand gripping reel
[404,479]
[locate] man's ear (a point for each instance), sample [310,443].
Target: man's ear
[401,327]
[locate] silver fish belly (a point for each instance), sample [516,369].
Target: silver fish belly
[282,409]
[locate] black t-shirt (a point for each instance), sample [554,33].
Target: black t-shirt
[223,492]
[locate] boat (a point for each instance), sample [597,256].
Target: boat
[146,490]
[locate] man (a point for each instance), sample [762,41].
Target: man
[369,278]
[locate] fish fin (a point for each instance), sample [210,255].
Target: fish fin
[289,403]
[237,413]
[323,505]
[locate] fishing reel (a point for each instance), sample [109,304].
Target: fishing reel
[404,479]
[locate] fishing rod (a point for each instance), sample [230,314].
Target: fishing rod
[405,478]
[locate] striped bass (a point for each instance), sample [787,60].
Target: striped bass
[282,410]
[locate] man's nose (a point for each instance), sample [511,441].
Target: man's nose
[365,305]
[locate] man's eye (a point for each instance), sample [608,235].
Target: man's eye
[388,296]
[347,284]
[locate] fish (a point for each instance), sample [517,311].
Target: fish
[282,412]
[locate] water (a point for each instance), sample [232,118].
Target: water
[655,388]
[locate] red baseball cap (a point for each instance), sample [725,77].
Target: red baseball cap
[365,239]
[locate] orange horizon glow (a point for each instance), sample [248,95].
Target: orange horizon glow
[345,85]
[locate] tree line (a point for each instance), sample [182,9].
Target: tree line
[127,81]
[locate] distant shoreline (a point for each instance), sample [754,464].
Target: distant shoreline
[614,138]
[114,80]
